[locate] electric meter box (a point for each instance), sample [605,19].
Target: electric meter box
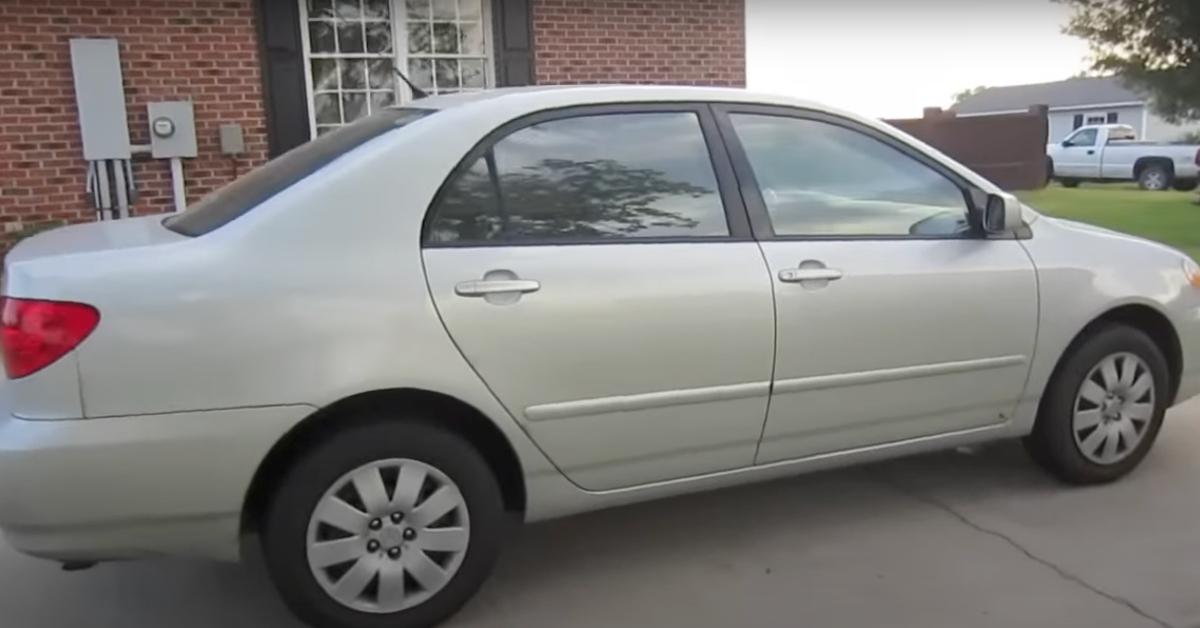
[172,129]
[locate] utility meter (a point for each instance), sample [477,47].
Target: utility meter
[172,129]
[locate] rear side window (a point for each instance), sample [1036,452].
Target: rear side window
[586,178]
[246,193]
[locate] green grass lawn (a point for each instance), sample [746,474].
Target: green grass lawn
[1169,217]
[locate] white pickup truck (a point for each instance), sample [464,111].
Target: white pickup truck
[1111,152]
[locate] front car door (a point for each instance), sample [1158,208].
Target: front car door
[896,317]
[1080,155]
[595,267]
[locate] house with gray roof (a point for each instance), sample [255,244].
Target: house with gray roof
[1074,103]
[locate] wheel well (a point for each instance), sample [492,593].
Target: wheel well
[1151,322]
[1140,165]
[459,417]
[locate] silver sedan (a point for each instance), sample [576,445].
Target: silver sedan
[378,352]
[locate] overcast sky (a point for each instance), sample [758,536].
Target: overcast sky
[891,58]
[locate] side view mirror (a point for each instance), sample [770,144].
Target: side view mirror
[1002,213]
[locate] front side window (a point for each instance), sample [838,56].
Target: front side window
[587,178]
[1086,137]
[822,179]
[352,46]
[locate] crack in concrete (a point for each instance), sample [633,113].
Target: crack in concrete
[1062,572]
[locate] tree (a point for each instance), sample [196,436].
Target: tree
[967,93]
[1152,45]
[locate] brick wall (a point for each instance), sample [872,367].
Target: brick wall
[205,51]
[691,42]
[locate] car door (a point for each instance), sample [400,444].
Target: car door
[595,266]
[1079,156]
[896,317]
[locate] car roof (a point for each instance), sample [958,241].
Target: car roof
[599,94]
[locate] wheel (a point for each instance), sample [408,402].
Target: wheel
[390,523]
[1069,183]
[1103,408]
[1185,185]
[1154,177]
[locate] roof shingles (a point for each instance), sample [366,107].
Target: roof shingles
[1068,93]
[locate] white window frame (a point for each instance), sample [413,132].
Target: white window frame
[399,54]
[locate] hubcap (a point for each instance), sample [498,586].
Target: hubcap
[1155,180]
[388,535]
[1113,408]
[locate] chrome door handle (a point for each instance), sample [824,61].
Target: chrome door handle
[793,275]
[484,287]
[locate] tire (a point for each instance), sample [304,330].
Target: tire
[1069,183]
[1155,178]
[412,447]
[1063,444]
[1185,185]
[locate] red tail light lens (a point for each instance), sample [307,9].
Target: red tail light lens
[35,334]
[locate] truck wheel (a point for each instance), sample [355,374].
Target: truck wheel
[1154,177]
[392,523]
[1069,183]
[1103,408]
[1185,185]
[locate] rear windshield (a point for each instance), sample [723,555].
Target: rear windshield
[228,203]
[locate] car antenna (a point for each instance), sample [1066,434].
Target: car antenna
[417,92]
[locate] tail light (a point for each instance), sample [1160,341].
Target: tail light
[1198,157]
[35,334]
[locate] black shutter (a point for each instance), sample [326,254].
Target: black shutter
[285,94]
[1077,121]
[512,25]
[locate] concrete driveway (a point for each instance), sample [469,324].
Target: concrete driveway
[956,539]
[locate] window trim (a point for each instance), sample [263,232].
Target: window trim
[399,56]
[736,216]
[756,207]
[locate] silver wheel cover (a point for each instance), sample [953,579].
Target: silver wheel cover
[1113,408]
[388,535]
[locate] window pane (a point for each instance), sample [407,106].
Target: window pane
[347,9]
[594,177]
[419,37]
[822,179]
[379,37]
[473,73]
[350,37]
[354,106]
[381,75]
[1084,138]
[320,37]
[328,111]
[469,10]
[324,75]
[379,100]
[376,9]
[444,10]
[354,73]
[447,74]
[445,37]
[320,8]
[420,72]
[468,211]
[418,9]
[471,38]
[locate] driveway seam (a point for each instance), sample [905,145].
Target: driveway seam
[1062,572]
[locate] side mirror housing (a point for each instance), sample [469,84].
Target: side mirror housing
[1002,213]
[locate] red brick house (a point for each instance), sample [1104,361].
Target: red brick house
[286,70]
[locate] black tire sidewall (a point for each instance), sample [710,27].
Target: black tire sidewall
[284,533]
[1053,443]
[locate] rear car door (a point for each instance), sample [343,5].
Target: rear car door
[896,317]
[595,267]
[1080,155]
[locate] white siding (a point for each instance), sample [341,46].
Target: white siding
[1063,122]
[1162,131]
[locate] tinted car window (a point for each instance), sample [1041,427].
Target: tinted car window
[637,175]
[823,179]
[247,192]
[1086,137]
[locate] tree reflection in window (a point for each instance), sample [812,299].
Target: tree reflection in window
[587,178]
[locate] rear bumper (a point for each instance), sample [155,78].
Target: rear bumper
[131,487]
